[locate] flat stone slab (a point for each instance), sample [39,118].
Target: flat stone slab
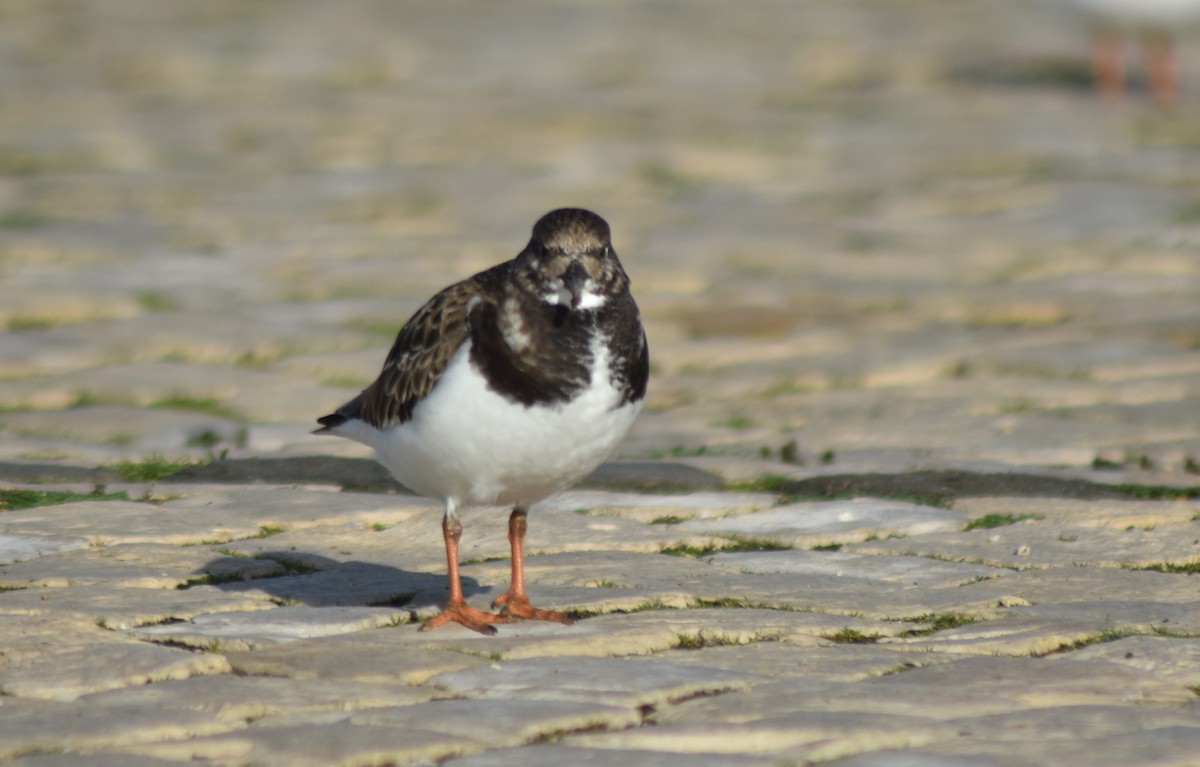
[22,548]
[1034,543]
[818,523]
[38,726]
[1045,629]
[249,630]
[648,509]
[1170,657]
[648,633]
[1168,746]
[135,565]
[898,569]
[1068,584]
[91,760]
[212,515]
[557,755]
[625,682]
[828,661]
[814,737]
[1044,682]
[239,700]
[67,675]
[124,608]
[515,722]
[844,299]
[316,744]
[362,656]
[63,656]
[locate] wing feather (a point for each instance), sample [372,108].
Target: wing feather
[419,356]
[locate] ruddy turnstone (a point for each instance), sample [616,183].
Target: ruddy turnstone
[507,387]
[1156,22]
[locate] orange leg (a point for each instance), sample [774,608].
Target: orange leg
[457,609]
[1161,70]
[515,602]
[1108,65]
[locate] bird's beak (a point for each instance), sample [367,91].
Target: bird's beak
[574,279]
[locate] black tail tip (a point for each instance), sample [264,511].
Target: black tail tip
[329,423]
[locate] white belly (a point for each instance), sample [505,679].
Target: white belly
[468,444]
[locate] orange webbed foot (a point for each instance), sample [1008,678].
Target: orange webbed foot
[519,607]
[464,614]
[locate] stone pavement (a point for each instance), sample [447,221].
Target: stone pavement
[918,481]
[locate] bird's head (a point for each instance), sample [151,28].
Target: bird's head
[570,261]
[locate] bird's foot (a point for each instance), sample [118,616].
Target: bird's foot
[511,606]
[462,613]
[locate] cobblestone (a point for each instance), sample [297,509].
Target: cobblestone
[918,478]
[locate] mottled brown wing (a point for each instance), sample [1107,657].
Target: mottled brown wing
[417,360]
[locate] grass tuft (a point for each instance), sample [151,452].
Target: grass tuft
[12,499]
[151,469]
[852,636]
[737,543]
[989,521]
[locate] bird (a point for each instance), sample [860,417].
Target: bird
[1156,22]
[506,388]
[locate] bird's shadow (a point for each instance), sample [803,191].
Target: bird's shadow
[300,578]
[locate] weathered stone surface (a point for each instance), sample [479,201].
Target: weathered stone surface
[553,756]
[813,524]
[363,656]
[1034,543]
[621,503]
[650,632]
[1167,657]
[626,682]
[135,565]
[63,656]
[239,700]
[21,548]
[248,630]
[874,263]
[316,745]
[510,723]
[1044,682]
[898,569]
[219,516]
[123,608]
[39,727]
[91,760]
[829,661]
[814,737]
[66,675]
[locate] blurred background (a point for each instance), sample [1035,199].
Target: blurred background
[865,234]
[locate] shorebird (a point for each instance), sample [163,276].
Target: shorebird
[1156,22]
[508,387]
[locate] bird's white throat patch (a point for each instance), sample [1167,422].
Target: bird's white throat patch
[562,297]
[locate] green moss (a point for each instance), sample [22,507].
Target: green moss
[1187,568]
[669,519]
[1158,492]
[766,483]
[940,622]
[988,521]
[151,469]
[12,499]
[737,543]
[852,636]
[291,565]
